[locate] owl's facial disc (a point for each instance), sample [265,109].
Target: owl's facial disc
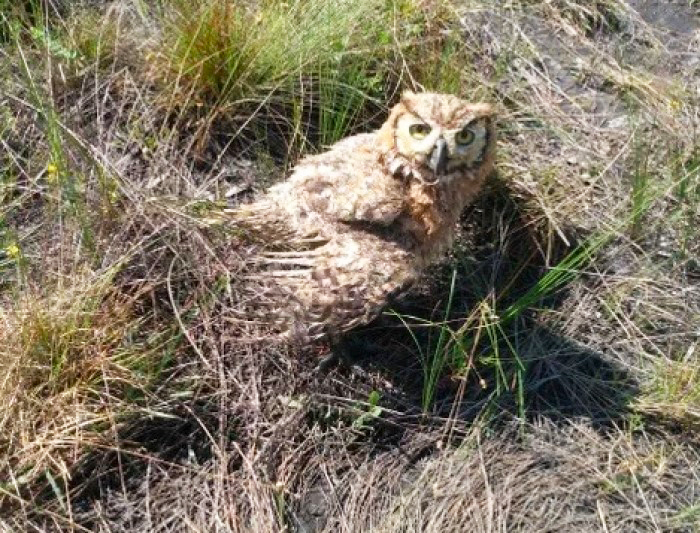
[435,147]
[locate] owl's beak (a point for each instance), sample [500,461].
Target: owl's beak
[438,157]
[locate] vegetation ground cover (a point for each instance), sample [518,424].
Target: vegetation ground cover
[544,377]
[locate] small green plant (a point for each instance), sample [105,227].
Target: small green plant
[487,333]
[343,94]
[372,412]
[688,517]
[640,193]
[508,368]
[675,385]
[686,176]
[434,358]
[52,44]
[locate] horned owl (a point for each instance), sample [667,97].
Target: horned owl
[355,226]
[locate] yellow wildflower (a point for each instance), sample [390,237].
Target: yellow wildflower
[52,172]
[12,251]
[675,105]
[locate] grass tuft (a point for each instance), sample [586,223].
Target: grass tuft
[325,58]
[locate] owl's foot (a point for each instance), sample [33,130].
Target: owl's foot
[339,356]
[329,362]
[344,352]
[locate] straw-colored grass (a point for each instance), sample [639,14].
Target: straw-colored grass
[543,377]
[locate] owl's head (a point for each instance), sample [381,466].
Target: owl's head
[437,137]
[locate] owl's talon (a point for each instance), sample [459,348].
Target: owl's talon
[340,355]
[329,362]
[343,353]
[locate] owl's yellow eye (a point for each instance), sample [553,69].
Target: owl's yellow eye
[419,131]
[464,136]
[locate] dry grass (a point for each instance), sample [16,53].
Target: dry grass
[567,396]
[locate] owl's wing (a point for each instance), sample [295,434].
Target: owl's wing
[266,224]
[326,289]
[348,184]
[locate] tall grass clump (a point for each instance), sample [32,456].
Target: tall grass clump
[238,58]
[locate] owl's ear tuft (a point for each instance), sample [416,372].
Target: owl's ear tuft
[385,135]
[407,97]
[485,109]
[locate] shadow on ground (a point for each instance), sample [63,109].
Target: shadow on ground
[525,366]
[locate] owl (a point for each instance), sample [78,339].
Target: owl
[352,228]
